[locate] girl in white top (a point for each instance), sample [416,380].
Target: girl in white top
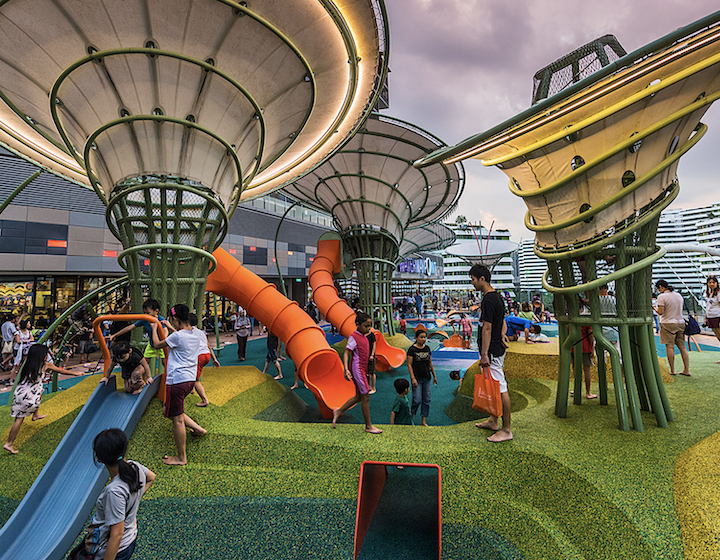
[23,341]
[183,348]
[712,305]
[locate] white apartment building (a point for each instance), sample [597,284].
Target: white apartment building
[530,268]
[685,271]
[699,226]
[456,277]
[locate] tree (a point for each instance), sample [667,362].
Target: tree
[460,219]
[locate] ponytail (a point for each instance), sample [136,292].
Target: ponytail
[129,474]
[109,447]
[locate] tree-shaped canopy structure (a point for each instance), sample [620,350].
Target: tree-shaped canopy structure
[375,196]
[173,110]
[596,164]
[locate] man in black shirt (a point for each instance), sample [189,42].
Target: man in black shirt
[491,348]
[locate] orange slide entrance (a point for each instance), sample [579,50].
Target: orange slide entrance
[338,313]
[319,366]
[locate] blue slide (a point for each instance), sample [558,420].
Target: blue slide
[52,513]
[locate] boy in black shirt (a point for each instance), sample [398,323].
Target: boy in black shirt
[490,345]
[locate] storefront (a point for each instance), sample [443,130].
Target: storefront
[44,297]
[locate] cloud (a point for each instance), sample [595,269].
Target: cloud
[460,67]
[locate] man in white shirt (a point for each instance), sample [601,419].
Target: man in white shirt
[672,325]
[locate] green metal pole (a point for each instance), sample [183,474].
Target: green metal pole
[620,399]
[650,381]
[18,190]
[633,399]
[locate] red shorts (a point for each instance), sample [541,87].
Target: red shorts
[203,360]
[175,398]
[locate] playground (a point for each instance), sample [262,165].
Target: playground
[173,114]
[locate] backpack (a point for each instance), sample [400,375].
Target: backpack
[89,545]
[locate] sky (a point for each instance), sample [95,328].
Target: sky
[459,67]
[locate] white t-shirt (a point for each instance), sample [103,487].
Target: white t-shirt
[204,348]
[8,331]
[672,304]
[712,307]
[184,349]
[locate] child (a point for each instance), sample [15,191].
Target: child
[588,349]
[458,375]
[134,367]
[372,377]
[466,330]
[356,371]
[271,357]
[403,324]
[23,341]
[115,518]
[183,348]
[420,366]
[149,307]
[206,354]
[26,399]
[401,408]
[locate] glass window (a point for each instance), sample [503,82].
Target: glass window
[66,293]
[16,295]
[43,299]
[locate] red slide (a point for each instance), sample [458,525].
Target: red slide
[319,366]
[335,310]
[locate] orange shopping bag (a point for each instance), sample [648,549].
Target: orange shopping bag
[486,396]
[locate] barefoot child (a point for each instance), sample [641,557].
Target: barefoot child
[358,351]
[26,399]
[401,408]
[272,357]
[204,358]
[134,367]
[183,348]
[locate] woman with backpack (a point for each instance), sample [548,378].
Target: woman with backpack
[112,533]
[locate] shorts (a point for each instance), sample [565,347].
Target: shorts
[151,352]
[271,356]
[84,346]
[371,366]
[203,360]
[360,380]
[672,333]
[587,359]
[713,322]
[496,370]
[175,398]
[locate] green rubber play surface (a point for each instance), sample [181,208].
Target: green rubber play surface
[563,488]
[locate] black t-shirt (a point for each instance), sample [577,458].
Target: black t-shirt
[492,310]
[272,342]
[129,365]
[421,361]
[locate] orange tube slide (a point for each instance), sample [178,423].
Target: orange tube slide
[337,311]
[319,366]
